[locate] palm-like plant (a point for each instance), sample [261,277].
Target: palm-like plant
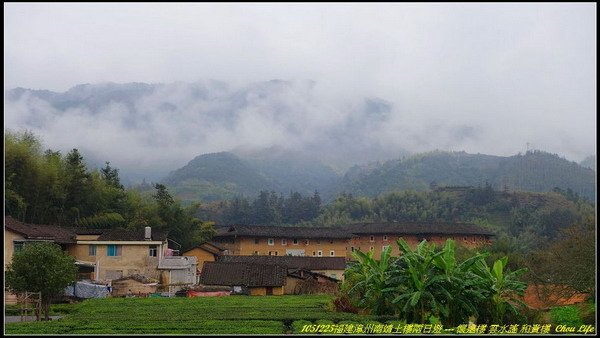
[503,288]
[368,280]
[427,282]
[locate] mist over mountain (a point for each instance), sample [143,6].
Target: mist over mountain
[148,130]
[589,162]
[282,135]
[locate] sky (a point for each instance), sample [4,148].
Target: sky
[489,78]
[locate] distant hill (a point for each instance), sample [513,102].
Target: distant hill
[589,162]
[224,175]
[535,171]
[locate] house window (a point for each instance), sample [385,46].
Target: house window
[372,248]
[18,246]
[384,247]
[113,250]
[320,253]
[271,241]
[295,241]
[276,253]
[92,250]
[256,252]
[465,238]
[314,253]
[153,250]
[270,253]
[331,253]
[284,241]
[256,241]
[372,239]
[351,249]
[385,238]
[306,242]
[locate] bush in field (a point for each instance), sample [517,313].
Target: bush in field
[427,283]
[566,315]
[41,267]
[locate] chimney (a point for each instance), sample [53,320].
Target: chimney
[147,233]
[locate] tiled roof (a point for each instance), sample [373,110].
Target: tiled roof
[130,235]
[209,247]
[282,232]
[414,228]
[290,262]
[61,234]
[40,231]
[242,274]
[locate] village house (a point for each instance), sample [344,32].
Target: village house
[204,252]
[103,254]
[244,240]
[378,236]
[332,267]
[245,278]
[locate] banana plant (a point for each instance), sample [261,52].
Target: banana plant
[370,281]
[504,287]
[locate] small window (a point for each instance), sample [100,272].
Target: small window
[320,253]
[153,250]
[113,250]
[372,248]
[314,253]
[270,253]
[465,238]
[384,247]
[92,250]
[18,246]
[256,241]
[331,253]
[295,241]
[385,238]
[372,239]
[271,241]
[276,253]
[256,252]
[306,242]
[284,241]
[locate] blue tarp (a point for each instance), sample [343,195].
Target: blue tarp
[86,290]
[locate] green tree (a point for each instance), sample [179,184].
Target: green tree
[41,267]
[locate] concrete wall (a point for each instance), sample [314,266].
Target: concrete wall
[247,246]
[9,237]
[262,291]
[364,243]
[201,256]
[121,288]
[134,259]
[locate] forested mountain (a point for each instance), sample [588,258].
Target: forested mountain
[589,162]
[225,175]
[534,171]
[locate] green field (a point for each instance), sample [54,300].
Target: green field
[202,315]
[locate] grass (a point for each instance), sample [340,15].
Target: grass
[202,315]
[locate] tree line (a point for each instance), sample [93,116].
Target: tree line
[47,187]
[268,208]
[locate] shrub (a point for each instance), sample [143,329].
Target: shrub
[566,315]
[343,304]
